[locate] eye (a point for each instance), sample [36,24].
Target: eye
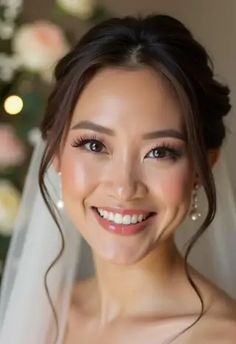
[89,144]
[94,146]
[165,152]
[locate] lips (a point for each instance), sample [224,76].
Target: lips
[123,229]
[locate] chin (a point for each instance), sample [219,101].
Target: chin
[121,255]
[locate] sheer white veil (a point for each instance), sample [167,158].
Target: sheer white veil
[25,313]
[35,244]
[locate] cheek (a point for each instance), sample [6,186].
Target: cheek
[174,183]
[79,176]
[176,189]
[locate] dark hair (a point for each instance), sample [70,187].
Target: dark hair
[166,45]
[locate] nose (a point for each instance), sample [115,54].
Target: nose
[125,183]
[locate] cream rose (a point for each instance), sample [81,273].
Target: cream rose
[40,45]
[9,205]
[80,8]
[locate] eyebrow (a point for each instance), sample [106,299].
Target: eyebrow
[148,136]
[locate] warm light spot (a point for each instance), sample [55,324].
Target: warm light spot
[13,105]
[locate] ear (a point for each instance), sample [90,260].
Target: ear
[213,156]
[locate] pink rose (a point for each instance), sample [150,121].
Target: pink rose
[12,150]
[39,45]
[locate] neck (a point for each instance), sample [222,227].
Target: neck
[141,288]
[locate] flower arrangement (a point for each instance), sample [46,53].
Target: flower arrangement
[39,45]
[29,52]
[12,150]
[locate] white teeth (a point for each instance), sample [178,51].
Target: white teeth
[127,220]
[111,217]
[119,219]
[134,219]
[140,218]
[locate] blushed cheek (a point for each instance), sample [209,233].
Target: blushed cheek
[175,185]
[177,190]
[79,179]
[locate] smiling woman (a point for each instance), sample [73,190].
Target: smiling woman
[112,162]
[133,128]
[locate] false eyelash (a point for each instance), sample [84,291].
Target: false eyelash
[82,140]
[175,153]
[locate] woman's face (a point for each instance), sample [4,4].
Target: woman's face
[126,153]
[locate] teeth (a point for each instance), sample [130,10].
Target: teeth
[127,220]
[140,218]
[111,217]
[134,219]
[119,219]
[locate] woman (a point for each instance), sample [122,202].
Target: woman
[133,128]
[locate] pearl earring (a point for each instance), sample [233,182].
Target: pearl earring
[60,203]
[194,213]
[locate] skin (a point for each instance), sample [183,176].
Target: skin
[140,291]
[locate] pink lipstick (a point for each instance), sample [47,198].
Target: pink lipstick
[124,229]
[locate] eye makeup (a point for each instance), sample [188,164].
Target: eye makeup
[166,151]
[163,151]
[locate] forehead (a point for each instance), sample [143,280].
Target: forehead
[123,97]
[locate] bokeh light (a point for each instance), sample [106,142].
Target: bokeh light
[13,105]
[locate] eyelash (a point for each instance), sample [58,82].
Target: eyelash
[83,140]
[173,153]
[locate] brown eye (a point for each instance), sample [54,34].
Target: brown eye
[91,145]
[165,152]
[159,153]
[95,146]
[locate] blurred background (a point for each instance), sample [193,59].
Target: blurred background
[35,34]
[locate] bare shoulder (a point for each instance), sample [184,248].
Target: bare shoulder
[223,317]
[218,324]
[221,305]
